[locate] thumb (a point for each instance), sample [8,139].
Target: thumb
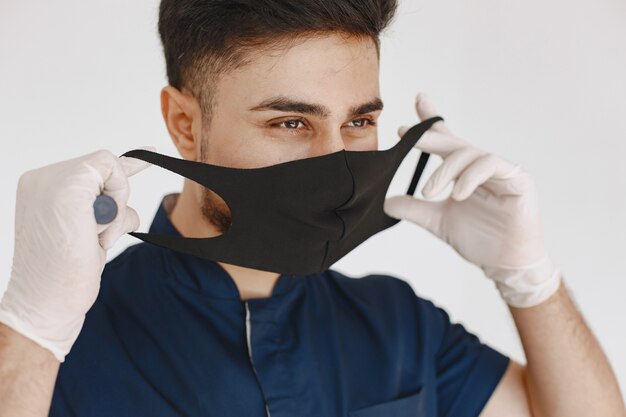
[427,214]
[402,130]
[132,166]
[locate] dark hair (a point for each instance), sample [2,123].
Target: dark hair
[203,39]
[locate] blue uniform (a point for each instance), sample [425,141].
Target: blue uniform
[169,336]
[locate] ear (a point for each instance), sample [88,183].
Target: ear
[183,119]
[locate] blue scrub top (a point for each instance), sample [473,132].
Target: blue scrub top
[167,337]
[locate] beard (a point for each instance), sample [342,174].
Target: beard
[215,210]
[213,207]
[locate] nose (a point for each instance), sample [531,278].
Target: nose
[327,142]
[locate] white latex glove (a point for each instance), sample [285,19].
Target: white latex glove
[492,218]
[60,250]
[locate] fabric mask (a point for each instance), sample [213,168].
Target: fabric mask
[297,217]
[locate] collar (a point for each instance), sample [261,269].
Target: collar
[203,275]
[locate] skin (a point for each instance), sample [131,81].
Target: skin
[567,373]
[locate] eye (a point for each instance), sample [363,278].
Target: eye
[363,122]
[290,125]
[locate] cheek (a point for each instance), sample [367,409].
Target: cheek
[369,143]
[251,149]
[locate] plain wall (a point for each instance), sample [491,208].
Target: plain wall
[539,83]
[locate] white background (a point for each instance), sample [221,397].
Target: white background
[539,83]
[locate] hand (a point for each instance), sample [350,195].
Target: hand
[492,219]
[60,250]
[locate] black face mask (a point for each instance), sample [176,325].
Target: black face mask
[297,217]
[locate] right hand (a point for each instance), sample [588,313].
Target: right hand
[60,250]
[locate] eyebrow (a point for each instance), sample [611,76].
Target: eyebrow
[287,104]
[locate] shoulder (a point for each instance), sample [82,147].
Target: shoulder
[464,370]
[373,288]
[385,296]
[140,256]
[131,268]
[121,303]
[106,348]
[395,299]
[369,282]
[379,288]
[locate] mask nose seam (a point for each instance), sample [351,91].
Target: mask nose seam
[335,210]
[343,231]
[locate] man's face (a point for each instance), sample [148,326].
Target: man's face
[318,97]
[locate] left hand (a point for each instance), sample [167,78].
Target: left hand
[492,219]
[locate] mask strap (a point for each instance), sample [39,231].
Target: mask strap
[200,172]
[421,163]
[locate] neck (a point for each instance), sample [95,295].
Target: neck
[185,214]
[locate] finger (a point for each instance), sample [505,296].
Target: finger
[117,186]
[132,165]
[518,184]
[437,143]
[426,109]
[427,214]
[129,167]
[517,169]
[489,171]
[108,170]
[450,170]
[402,130]
[475,174]
[438,139]
[127,222]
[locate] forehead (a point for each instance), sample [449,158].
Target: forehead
[330,68]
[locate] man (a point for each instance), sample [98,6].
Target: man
[163,333]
